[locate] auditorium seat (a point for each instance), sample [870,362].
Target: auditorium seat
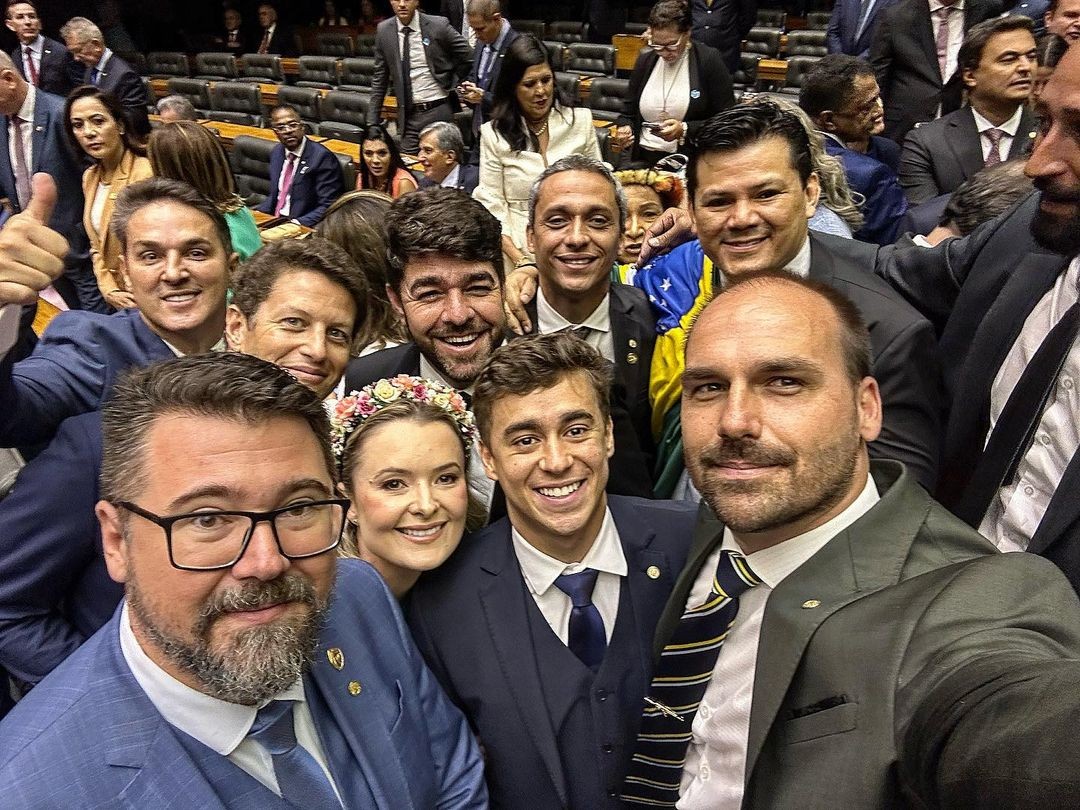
[262,68]
[771,18]
[348,171]
[250,160]
[796,67]
[765,41]
[534,27]
[745,77]
[591,60]
[237,103]
[165,64]
[556,53]
[151,96]
[806,43]
[818,20]
[334,43]
[137,60]
[317,71]
[637,29]
[356,74]
[215,67]
[344,115]
[365,45]
[569,85]
[306,102]
[567,31]
[607,97]
[197,91]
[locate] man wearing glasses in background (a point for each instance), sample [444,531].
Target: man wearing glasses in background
[241,670]
[305,177]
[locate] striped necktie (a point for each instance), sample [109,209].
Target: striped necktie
[678,685]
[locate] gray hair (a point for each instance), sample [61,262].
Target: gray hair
[179,105]
[448,136]
[81,30]
[578,163]
[485,9]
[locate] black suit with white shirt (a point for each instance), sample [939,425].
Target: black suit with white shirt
[58,72]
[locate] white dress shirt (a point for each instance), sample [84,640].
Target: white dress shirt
[286,209]
[1016,512]
[36,47]
[221,726]
[666,95]
[26,134]
[1009,128]
[106,55]
[451,180]
[598,323]
[714,775]
[423,84]
[956,34]
[540,572]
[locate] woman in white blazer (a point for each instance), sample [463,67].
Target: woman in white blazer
[530,128]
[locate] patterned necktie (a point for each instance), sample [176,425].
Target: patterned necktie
[941,41]
[301,780]
[406,70]
[30,66]
[286,184]
[995,135]
[264,46]
[587,638]
[21,168]
[678,685]
[94,73]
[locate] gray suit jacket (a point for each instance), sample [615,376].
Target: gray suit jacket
[906,617]
[449,59]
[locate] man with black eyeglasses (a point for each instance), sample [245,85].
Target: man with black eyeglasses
[245,668]
[305,177]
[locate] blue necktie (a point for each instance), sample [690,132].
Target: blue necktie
[94,76]
[587,637]
[301,780]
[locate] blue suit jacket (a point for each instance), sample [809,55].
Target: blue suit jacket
[468,179]
[71,371]
[843,34]
[316,183]
[59,72]
[470,620]
[88,736]
[54,589]
[885,202]
[124,82]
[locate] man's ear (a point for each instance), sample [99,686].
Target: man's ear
[967,76]
[826,121]
[488,461]
[236,327]
[609,440]
[395,301]
[529,239]
[112,541]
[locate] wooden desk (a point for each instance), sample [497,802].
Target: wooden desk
[227,132]
[772,70]
[627,47]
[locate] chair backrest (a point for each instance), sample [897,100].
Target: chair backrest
[556,53]
[357,72]
[250,159]
[236,97]
[635,28]
[797,66]
[344,107]
[567,31]
[765,41]
[348,171]
[136,59]
[606,97]
[806,43]
[151,96]
[818,20]
[317,71]
[746,75]
[263,67]
[365,45]
[197,91]
[569,85]
[215,66]
[304,99]
[591,59]
[163,64]
[335,43]
[534,27]
[342,131]
[771,18]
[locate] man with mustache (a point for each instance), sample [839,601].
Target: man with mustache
[241,670]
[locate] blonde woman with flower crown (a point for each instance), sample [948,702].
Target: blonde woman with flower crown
[402,446]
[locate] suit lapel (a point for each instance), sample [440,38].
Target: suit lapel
[37,137]
[965,142]
[5,156]
[1025,135]
[924,36]
[626,341]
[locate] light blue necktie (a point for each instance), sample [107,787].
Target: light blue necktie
[94,76]
[301,780]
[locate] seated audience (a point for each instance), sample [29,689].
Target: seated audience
[234,38]
[676,86]
[541,625]
[442,154]
[189,152]
[43,62]
[305,177]
[840,95]
[274,37]
[96,125]
[176,108]
[330,16]
[1063,19]
[648,193]
[222,618]
[531,127]
[402,445]
[381,166]
[998,63]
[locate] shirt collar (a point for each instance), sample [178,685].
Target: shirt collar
[413,23]
[37,46]
[299,150]
[541,570]
[548,320]
[936,4]
[451,180]
[1009,127]
[800,265]
[502,35]
[429,372]
[26,111]
[106,55]
[772,565]
[217,724]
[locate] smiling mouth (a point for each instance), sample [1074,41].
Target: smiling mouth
[576,261]
[421,534]
[461,341]
[564,491]
[180,297]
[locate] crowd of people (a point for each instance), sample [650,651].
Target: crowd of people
[736,474]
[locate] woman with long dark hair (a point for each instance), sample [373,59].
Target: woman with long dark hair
[381,166]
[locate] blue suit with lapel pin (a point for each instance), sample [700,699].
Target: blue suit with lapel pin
[316,183]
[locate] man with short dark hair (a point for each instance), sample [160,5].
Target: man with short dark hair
[442,154]
[245,667]
[43,62]
[494,35]
[539,625]
[1063,19]
[305,177]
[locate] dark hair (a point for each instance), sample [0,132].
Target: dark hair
[256,277]
[10,3]
[854,336]
[744,125]
[671,14]
[506,118]
[537,362]
[376,132]
[278,107]
[440,222]
[986,194]
[159,189]
[113,107]
[1049,50]
[579,163]
[829,83]
[971,49]
[355,222]
[224,385]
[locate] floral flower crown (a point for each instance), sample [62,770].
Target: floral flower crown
[348,413]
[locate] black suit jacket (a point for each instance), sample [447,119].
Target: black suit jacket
[454,11]
[58,73]
[120,79]
[468,178]
[905,60]
[282,42]
[493,72]
[722,26]
[470,619]
[940,155]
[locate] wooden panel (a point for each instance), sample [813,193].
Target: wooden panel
[772,70]
[626,50]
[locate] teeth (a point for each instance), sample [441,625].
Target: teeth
[180,297]
[560,492]
[421,534]
[461,340]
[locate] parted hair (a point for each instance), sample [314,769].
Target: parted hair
[115,110]
[184,150]
[159,189]
[225,385]
[538,362]
[971,49]
[671,14]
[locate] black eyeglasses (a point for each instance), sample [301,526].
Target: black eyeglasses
[205,541]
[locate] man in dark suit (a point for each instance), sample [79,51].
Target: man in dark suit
[305,177]
[914,55]
[234,629]
[442,154]
[493,36]
[806,544]
[722,24]
[852,25]
[457,15]
[107,70]
[539,627]
[425,59]
[43,147]
[234,38]
[273,36]
[44,62]
[997,65]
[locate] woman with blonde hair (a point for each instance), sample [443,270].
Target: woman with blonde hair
[184,150]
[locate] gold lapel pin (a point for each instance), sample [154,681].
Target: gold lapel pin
[632,343]
[336,658]
[631,358]
[355,688]
[811,603]
[652,572]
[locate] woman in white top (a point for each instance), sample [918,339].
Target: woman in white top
[530,128]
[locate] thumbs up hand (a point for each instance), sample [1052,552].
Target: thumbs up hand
[31,253]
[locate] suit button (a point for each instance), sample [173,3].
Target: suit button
[601,695]
[607,748]
[614,794]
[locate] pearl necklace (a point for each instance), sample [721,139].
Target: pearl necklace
[538,132]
